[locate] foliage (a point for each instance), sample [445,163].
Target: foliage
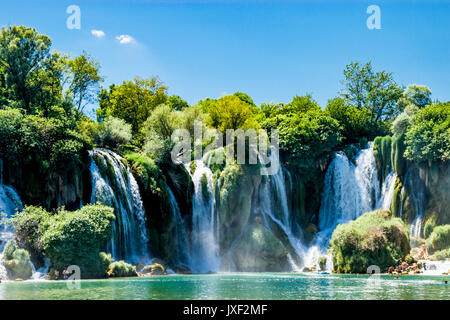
[428,138]
[30,225]
[16,261]
[148,172]
[176,103]
[112,133]
[68,238]
[230,112]
[375,91]
[439,239]
[305,138]
[375,238]
[441,255]
[428,228]
[83,80]
[157,130]
[32,74]
[121,269]
[418,95]
[354,122]
[132,101]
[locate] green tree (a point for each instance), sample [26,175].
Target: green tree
[428,137]
[84,79]
[132,101]
[375,91]
[31,74]
[176,103]
[230,112]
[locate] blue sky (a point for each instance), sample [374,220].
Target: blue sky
[272,50]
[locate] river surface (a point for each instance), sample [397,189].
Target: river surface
[278,286]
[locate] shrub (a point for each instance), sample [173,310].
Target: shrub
[428,137]
[121,269]
[375,238]
[441,255]
[428,228]
[16,261]
[113,132]
[440,238]
[68,238]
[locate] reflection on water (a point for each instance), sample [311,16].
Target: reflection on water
[237,286]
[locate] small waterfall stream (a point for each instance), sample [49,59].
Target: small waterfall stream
[114,185]
[204,247]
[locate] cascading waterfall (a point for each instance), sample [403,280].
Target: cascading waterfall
[350,190]
[204,246]
[278,210]
[180,235]
[10,203]
[113,184]
[416,189]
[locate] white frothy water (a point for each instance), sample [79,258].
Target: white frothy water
[204,247]
[350,190]
[130,239]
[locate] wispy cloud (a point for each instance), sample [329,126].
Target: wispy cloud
[125,39]
[98,33]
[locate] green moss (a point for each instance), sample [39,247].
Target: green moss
[397,159]
[193,166]
[439,239]
[382,154]
[441,255]
[205,190]
[121,269]
[375,238]
[397,198]
[16,261]
[428,228]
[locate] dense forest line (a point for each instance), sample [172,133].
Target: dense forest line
[46,138]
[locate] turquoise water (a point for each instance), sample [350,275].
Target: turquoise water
[237,286]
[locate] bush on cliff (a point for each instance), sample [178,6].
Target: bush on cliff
[68,238]
[375,238]
[439,239]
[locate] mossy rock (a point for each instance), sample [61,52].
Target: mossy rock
[375,238]
[154,269]
[121,269]
[17,262]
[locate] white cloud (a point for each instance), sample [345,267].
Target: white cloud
[98,33]
[125,38]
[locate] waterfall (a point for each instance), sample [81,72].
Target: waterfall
[10,203]
[114,185]
[180,235]
[278,209]
[350,190]
[387,191]
[416,195]
[204,247]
